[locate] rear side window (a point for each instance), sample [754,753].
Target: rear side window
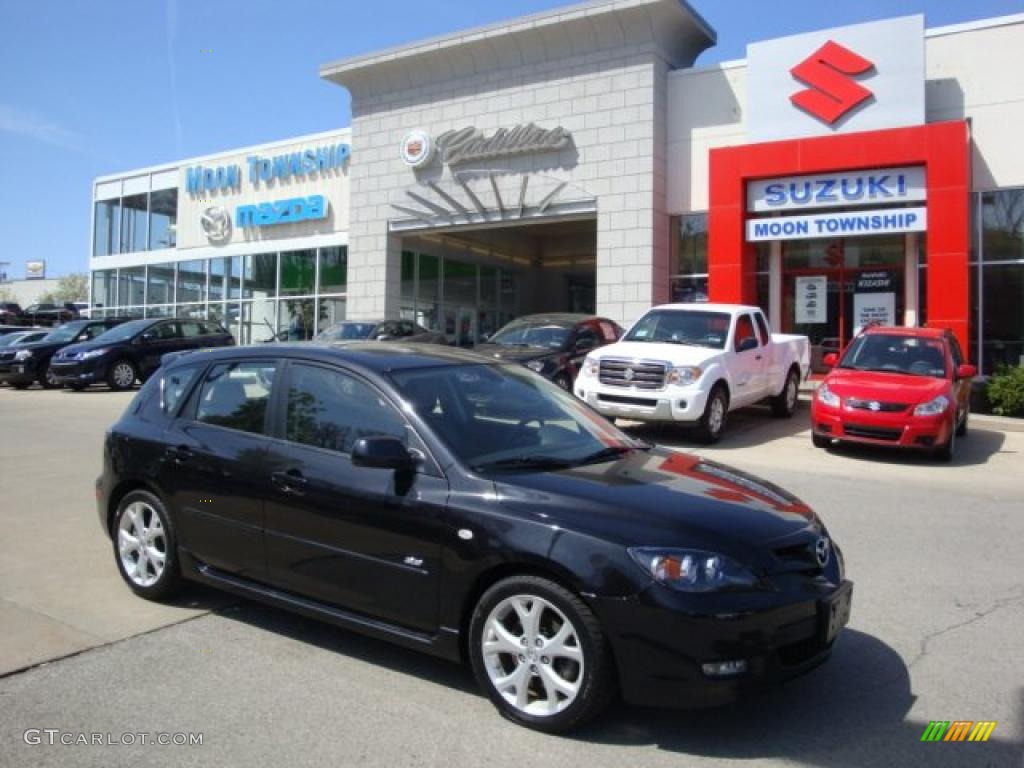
[191,329]
[762,329]
[174,385]
[236,395]
[744,330]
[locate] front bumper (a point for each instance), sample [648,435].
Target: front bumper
[80,371]
[899,430]
[680,404]
[660,645]
[18,372]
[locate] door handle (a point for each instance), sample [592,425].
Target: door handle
[291,481]
[180,453]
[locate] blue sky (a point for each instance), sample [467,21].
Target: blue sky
[88,89]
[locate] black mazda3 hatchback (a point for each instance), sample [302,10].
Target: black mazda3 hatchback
[465,507]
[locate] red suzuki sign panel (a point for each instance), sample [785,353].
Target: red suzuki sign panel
[857,78]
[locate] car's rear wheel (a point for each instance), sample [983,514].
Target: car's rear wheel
[540,655]
[48,379]
[122,375]
[784,403]
[712,422]
[145,547]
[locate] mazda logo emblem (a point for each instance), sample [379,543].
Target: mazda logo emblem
[216,223]
[821,551]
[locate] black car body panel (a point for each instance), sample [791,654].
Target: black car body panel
[89,362]
[405,555]
[404,331]
[559,360]
[31,369]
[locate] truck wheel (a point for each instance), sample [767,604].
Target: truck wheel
[784,403]
[712,422]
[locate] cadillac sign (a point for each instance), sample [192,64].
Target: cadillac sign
[469,144]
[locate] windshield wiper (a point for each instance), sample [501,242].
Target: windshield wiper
[611,452]
[525,462]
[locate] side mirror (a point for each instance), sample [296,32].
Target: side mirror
[830,359]
[749,342]
[381,452]
[966,372]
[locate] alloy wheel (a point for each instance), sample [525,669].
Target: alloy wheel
[716,416]
[124,375]
[791,394]
[142,544]
[532,655]
[51,377]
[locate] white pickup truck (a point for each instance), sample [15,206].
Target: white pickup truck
[693,363]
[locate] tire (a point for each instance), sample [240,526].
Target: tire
[551,692]
[961,430]
[562,380]
[122,375]
[141,517]
[21,385]
[821,441]
[947,450]
[47,379]
[716,412]
[784,403]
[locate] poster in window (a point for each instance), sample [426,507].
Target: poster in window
[877,308]
[811,299]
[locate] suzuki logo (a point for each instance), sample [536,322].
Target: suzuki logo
[832,91]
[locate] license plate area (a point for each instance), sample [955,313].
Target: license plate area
[834,613]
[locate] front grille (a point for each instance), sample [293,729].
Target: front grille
[875,406]
[797,653]
[638,374]
[872,433]
[644,401]
[6,357]
[798,558]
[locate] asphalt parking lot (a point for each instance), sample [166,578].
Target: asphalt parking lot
[938,618]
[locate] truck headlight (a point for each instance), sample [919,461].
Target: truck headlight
[684,375]
[590,367]
[23,354]
[933,407]
[827,397]
[690,570]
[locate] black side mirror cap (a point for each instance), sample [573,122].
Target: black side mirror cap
[382,452]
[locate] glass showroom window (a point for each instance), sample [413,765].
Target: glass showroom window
[160,284]
[191,281]
[260,276]
[107,228]
[1002,279]
[334,269]
[688,261]
[131,287]
[163,218]
[134,221]
[298,272]
[104,288]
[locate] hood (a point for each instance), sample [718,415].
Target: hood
[514,354]
[664,498]
[677,354]
[886,387]
[41,346]
[85,346]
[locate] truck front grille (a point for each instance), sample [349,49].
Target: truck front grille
[638,374]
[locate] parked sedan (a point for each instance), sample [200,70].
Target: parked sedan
[467,508]
[553,345]
[132,351]
[380,330]
[12,314]
[31,363]
[902,387]
[12,342]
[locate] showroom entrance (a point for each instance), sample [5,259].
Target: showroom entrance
[469,282]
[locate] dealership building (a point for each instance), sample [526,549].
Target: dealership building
[579,160]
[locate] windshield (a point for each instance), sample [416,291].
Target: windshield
[532,334]
[682,326]
[65,332]
[124,331]
[886,353]
[505,417]
[347,331]
[12,338]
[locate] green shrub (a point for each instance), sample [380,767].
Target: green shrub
[1006,391]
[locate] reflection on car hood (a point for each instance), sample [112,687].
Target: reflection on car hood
[662,498]
[885,387]
[514,354]
[677,354]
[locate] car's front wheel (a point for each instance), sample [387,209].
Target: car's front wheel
[540,655]
[48,379]
[144,546]
[122,375]
[712,422]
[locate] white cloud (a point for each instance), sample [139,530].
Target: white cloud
[30,125]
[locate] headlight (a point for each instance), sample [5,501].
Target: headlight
[932,407]
[536,365]
[684,375]
[691,570]
[92,353]
[590,367]
[23,354]
[827,397]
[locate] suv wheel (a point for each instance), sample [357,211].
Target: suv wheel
[144,546]
[784,403]
[540,655]
[712,422]
[122,375]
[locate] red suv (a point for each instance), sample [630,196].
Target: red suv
[902,387]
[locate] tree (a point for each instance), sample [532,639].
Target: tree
[73,287]
[7,293]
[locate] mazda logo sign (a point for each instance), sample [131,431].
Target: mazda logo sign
[216,223]
[822,548]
